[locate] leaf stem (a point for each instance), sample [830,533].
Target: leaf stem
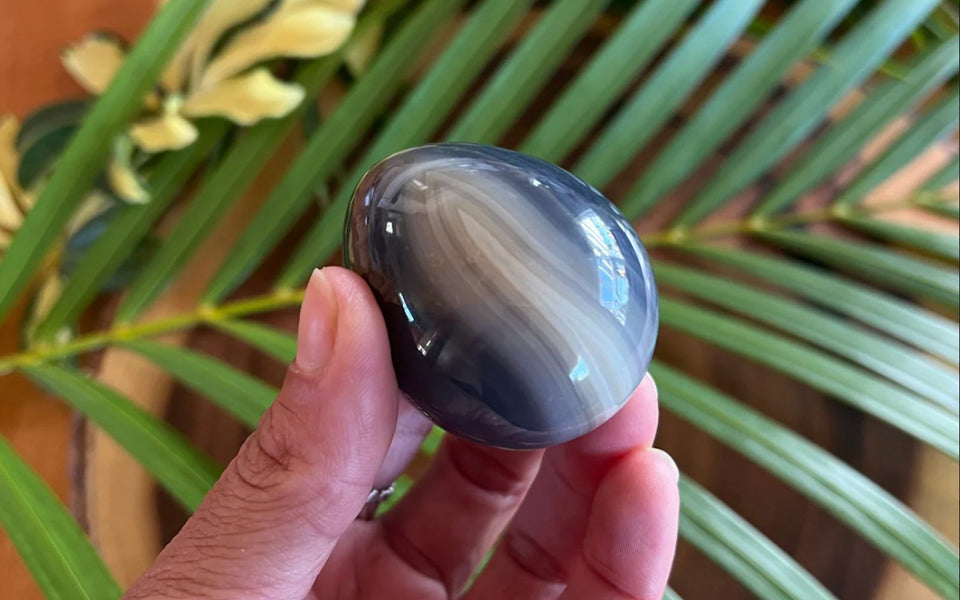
[676,236]
[44,352]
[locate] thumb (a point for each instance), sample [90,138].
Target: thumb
[270,522]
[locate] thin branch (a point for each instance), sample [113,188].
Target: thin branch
[682,235]
[119,333]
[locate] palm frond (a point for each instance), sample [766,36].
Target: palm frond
[841,143]
[926,331]
[58,554]
[243,396]
[721,534]
[177,465]
[923,376]
[630,48]
[853,498]
[888,269]
[936,123]
[673,81]
[806,25]
[904,410]
[851,62]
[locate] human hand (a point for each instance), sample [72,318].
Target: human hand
[595,518]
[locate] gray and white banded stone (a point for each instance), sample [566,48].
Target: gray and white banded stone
[520,305]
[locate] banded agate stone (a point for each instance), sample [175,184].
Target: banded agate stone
[520,305]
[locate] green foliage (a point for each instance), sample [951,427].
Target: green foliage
[747,554]
[851,497]
[673,81]
[56,551]
[864,310]
[852,60]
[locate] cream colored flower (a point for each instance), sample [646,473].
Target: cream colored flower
[11,196]
[203,80]
[15,202]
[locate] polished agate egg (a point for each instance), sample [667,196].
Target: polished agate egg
[520,305]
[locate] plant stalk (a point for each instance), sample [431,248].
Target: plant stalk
[204,314]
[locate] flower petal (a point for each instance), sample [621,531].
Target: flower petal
[126,184]
[302,29]
[43,302]
[168,131]
[9,159]
[47,295]
[11,215]
[221,16]
[94,61]
[246,99]
[360,52]
[194,51]
[95,203]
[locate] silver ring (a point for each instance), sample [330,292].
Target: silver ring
[374,499]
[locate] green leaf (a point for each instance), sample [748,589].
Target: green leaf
[79,165]
[240,394]
[938,122]
[127,230]
[663,92]
[834,485]
[43,136]
[523,74]
[856,387]
[874,263]
[608,75]
[60,557]
[940,245]
[233,173]
[945,176]
[273,342]
[853,60]
[422,112]
[946,210]
[179,467]
[878,353]
[40,123]
[841,142]
[328,148]
[798,32]
[923,329]
[38,158]
[741,550]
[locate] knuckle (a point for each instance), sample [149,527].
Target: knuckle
[269,454]
[489,470]
[533,558]
[608,574]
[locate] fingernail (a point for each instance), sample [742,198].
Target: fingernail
[317,329]
[667,459]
